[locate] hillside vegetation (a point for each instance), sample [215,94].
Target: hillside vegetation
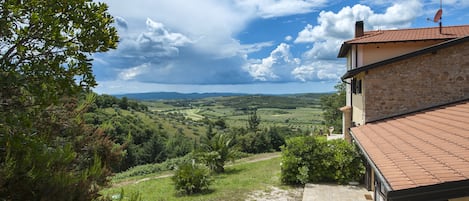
[154,131]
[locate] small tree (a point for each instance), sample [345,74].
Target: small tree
[254,121]
[330,105]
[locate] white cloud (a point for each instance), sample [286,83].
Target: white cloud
[319,62]
[275,67]
[340,25]
[319,70]
[397,16]
[131,73]
[193,42]
[323,50]
[278,8]
[158,33]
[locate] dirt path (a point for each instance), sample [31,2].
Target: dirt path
[252,159]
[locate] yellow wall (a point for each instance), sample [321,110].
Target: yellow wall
[373,53]
[358,101]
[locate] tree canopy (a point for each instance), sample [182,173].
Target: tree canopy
[46,151]
[330,104]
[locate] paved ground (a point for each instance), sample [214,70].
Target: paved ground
[333,192]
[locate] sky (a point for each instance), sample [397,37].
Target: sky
[246,46]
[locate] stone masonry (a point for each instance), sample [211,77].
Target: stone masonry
[418,82]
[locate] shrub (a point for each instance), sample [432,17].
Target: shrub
[191,178]
[217,151]
[314,159]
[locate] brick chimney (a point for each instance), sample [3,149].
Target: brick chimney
[359,30]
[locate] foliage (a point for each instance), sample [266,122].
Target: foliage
[107,101]
[178,145]
[253,121]
[216,151]
[266,140]
[191,178]
[330,104]
[140,170]
[314,159]
[142,143]
[46,151]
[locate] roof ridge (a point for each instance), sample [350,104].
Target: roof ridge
[419,28]
[370,34]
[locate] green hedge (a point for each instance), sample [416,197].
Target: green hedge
[314,159]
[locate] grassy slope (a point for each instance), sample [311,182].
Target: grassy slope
[238,181]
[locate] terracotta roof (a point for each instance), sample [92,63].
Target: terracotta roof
[425,148]
[403,35]
[432,33]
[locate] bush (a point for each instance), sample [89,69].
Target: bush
[191,178]
[314,159]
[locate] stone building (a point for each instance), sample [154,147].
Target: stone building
[408,110]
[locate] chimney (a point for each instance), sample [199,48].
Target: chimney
[359,30]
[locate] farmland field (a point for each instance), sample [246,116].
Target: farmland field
[298,111]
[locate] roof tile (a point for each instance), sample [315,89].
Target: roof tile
[420,149]
[431,33]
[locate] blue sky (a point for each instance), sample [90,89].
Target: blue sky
[246,46]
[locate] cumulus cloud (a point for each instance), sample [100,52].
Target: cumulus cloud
[156,43]
[319,71]
[340,25]
[276,67]
[319,62]
[193,42]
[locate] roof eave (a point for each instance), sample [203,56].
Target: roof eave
[433,48]
[344,50]
[442,191]
[371,162]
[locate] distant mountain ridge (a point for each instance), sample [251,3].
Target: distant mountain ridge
[173,95]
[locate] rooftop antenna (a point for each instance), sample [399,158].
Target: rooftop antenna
[438,15]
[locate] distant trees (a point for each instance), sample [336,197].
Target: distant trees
[330,105]
[46,150]
[106,101]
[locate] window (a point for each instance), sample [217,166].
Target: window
[356,86]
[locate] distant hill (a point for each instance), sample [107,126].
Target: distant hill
[174,95]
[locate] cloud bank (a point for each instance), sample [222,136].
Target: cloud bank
[194,42]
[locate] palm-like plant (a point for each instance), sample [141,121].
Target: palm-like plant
[216,151]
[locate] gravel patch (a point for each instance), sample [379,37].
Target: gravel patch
[277,194]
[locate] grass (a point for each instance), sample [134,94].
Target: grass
[235,184]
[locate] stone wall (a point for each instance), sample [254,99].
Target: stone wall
[417,83]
